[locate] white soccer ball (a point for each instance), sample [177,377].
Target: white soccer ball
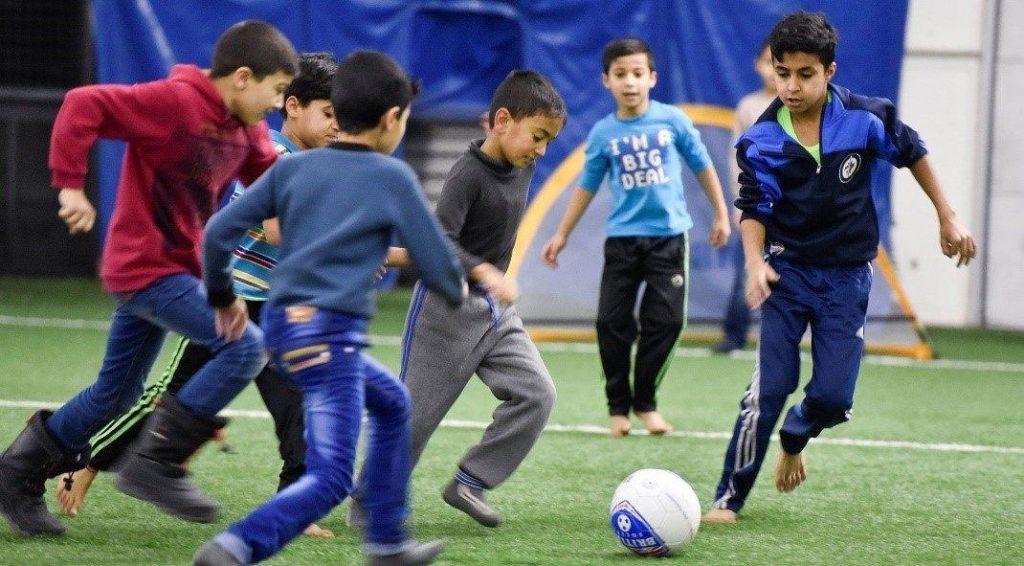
[655,512]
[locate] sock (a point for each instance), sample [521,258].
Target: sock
[469,481]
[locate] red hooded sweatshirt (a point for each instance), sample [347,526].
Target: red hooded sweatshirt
[184,146]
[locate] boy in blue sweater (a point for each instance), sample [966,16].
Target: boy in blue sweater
[641,148]
[338,208]
[809,233]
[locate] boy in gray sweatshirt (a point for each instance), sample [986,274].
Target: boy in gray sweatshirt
[481,205]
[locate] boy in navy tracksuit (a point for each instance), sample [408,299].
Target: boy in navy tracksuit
[809,234]
[338,208]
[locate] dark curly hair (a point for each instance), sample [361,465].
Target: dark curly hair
[316,73]
[806,32]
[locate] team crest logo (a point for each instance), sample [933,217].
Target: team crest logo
[677,281]
[850,167]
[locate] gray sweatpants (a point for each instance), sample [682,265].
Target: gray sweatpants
[443,347]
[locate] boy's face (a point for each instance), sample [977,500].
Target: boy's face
[313,124]
[765,70]
[254,98]
[524,141]
[802,81]
[630,80]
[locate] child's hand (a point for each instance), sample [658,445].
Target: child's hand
[956,240]
[502,288]
[759,283]
[551,250]
[720,231]
[231,320]
[76,211]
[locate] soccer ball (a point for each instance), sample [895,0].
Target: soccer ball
[655,512]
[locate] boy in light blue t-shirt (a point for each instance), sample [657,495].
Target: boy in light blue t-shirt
[641,147]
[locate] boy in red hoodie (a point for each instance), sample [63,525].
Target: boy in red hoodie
[188,136]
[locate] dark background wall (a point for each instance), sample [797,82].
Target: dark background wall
[45,50]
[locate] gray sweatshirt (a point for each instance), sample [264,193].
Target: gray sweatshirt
[481,205]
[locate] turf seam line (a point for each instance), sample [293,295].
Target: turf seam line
[582,347]
[603,431]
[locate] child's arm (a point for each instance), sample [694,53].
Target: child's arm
[578,203]
[272,231]
[428,248]
[954,238]
[397,257]
[695,153]
[143,112]
[223,233]
[760,275]
[720,229]
[900,145]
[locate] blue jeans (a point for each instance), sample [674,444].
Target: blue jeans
[834,302]
[137,330]
[321,351]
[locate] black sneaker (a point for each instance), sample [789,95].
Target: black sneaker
[471,502]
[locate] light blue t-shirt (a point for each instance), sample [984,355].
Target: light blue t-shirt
[643,158]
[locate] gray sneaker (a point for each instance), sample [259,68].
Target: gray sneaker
[471,502]
[213,554]
[421,553]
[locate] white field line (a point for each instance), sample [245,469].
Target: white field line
[602,431]
[580,347]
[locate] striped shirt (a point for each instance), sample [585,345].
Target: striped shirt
[255,258]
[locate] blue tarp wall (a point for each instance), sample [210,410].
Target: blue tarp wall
[461,49]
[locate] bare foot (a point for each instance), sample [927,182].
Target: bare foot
[719,517]
[72,488]
[790,472]
[619,426]
[655,423]
[316,530]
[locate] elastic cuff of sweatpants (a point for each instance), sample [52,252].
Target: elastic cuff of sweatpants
[219,299]
[618,412]
[385,549]
[644,407]
[234,544]
[791,443]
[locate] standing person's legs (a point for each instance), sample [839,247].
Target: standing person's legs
[283,400]
[154,469]
[837,344]
[616,326]
[737,314]
[662,316]
[54,443]
[784,318]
